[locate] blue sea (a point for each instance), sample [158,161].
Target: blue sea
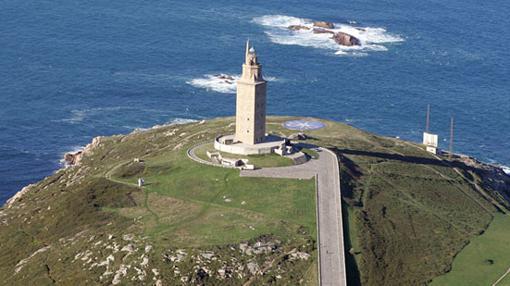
[72,70]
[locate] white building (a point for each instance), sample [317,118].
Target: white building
[431,142]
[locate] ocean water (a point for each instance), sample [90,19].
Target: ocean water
[72,70]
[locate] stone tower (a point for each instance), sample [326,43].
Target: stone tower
[251,101]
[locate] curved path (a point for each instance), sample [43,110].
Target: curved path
[329,211]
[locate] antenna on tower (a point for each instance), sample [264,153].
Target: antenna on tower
[451,139]
[429,139]
[427,124]
[247,47]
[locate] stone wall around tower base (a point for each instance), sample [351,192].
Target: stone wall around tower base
[246,149]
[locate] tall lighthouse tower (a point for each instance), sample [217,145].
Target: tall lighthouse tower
[251,101]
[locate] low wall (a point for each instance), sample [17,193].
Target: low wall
[243,149]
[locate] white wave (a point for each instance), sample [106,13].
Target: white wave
[79,115]
[175,121]
[223,83]
[506,170]
[76,116]
[271,78]
[281,21]
[372,38]
[178,121]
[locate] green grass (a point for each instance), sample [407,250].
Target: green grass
[351,242]
[218,206]
[484,259]
[420,212]
[187,204]
[409,214]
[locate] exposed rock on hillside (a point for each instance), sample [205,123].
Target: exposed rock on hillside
[73,158]
[91,224]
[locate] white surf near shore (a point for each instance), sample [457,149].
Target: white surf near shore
[222,83]
[372,38]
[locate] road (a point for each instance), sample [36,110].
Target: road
[329,211]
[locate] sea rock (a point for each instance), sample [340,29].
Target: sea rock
[322,31]
[298,27]
[225,77]
[324,24]
[345,39]
[73,158]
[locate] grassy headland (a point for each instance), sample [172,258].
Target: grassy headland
[408,215]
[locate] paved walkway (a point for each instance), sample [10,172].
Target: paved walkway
[329,211]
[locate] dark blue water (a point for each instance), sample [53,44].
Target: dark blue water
[71,70]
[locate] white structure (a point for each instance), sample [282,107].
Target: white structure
[251,101]
[284,149]
[250,137]
[227,144]
[232,162]
[431,142]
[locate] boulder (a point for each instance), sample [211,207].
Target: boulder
[73,158]
[224,76]
[298,27]
[324,24]
[345,39]
[322,31]
[254,268]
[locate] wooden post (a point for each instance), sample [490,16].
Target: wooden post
[451,139]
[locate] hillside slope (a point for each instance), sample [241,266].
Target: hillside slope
[409,214]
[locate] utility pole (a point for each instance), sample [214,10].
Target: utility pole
[427,125]
[451,139]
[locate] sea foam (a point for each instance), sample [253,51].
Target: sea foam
[372,38]
[222,83]
[216,83]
